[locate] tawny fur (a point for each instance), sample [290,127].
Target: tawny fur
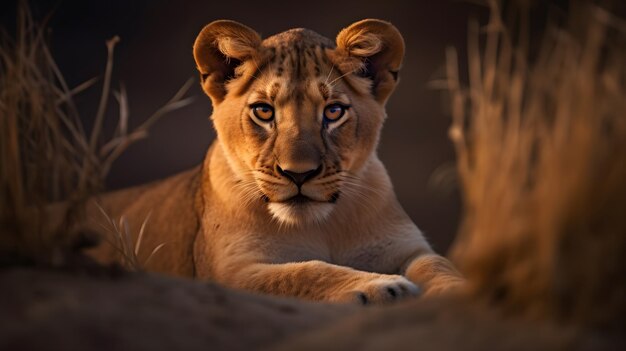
[230,219]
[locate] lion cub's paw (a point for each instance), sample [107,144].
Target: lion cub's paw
[379,290]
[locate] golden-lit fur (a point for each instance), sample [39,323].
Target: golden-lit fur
[235,219]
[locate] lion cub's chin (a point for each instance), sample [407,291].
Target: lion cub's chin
[300,213]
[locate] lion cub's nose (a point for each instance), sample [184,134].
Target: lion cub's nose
[299,178]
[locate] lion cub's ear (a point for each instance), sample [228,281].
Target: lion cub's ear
[379,48]
[219,48]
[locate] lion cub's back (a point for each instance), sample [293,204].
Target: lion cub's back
[171,204]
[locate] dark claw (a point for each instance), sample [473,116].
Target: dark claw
[363,298]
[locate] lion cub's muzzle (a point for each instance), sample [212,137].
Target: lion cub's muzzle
[301,185]
[299,178]
[303,194]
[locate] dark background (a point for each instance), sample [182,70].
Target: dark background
[154,58]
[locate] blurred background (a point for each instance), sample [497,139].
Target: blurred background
[154,58]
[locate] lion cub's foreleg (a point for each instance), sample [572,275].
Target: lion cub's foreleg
[321,281]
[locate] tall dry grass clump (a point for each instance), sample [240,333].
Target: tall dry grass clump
[46,153]
[541,147]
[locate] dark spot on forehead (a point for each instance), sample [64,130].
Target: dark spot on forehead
[274,90]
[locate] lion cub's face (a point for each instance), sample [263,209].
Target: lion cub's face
[297,116]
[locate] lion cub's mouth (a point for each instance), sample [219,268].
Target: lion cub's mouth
[294,200]
[298,199]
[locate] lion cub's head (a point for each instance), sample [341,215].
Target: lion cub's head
[297,115]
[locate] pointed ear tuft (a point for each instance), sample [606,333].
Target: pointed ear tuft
[219,48]
[378,48]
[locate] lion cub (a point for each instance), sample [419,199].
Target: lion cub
[292,198]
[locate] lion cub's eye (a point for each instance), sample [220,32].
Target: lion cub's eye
[264,112]
[333,112]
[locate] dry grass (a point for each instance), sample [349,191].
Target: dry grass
[45,152]
[541,150]
[121,239]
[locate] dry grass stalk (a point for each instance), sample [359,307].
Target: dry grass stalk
[541,151]
[120,237]
[45,152]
